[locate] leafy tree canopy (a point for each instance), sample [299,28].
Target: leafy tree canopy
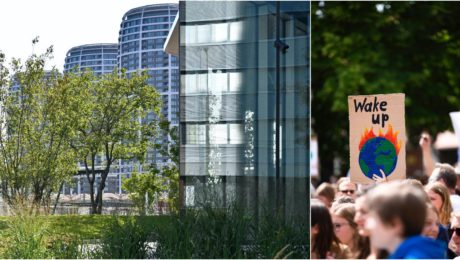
[383,47]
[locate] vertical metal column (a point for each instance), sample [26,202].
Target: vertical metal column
[277,87]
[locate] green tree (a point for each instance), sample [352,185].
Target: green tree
[39,115]
[143,189]
[382,47]
[170,172]
[148,188]
[115,125]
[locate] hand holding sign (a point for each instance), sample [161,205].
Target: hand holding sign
[379,179]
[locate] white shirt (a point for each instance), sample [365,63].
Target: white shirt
[455,201]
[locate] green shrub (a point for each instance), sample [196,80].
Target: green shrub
[205,233]
[65,247]
[30,237]
[232,233]
[26,238]
[280,237]
[123,238]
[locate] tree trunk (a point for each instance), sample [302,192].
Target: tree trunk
[91,195]
[98,200]
[57,198]
[91,183]
[101,189]
[104,174]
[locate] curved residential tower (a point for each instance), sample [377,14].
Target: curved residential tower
[100,57]
[143,32]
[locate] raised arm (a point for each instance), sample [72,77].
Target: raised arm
[427,157]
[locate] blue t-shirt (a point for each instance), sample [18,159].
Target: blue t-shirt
[443,234]
[418,247]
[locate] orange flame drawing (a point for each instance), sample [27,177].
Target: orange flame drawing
[390,136]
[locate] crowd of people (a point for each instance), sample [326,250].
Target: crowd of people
[398,219]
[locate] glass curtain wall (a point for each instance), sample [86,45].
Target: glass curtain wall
[244,94]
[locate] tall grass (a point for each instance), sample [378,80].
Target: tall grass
[206,232]
[281,237]
[26,238]
[30,237]
[66,247]
[232,233]
[124,238]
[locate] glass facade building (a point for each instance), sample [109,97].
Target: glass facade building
[101,58]
[244,95]
[142,34]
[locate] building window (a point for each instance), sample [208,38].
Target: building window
[235,81]
[236,31]
[218,134]
[190,34]
[218,82]
[220,31]
[203,33]
[196,134]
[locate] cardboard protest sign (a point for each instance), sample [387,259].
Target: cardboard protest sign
[377,137]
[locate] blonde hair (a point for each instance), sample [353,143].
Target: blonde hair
[345,180]
[446,208]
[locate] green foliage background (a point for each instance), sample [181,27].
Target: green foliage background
[399,47]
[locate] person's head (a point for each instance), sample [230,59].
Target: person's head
[342,200]
[440,198]
[413,182]
[431,228]
[326,193]
[445,174]
[361,212]
[396,211]
[322,229]
[455,228]
[346,187]
[362,209]
[344,225]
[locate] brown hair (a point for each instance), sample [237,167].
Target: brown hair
[446,208]
[398,201]
[327,190]
[326,240]
[446,174]
[413,182]
[361,246]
